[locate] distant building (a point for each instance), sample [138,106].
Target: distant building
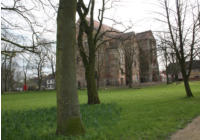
[175,72]
[110,62]
[50,82]
[163,76]
[32,83]
[195,72]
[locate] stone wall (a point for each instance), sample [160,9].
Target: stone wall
[110,65]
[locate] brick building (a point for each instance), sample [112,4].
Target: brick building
[110,59]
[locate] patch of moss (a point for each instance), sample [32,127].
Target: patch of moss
[72,126]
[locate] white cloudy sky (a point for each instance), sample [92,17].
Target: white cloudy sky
[141,13]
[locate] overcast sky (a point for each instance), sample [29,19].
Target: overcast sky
[139,13]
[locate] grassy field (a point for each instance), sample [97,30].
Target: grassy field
[125,114]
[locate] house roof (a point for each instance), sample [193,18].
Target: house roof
[195,64]
[50,76]
[175,66]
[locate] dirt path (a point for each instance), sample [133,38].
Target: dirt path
[190,132]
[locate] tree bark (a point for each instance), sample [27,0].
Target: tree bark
[128,69]
[130,80]
[93,97]
[98,80]
[186,81]
[88,54]
[25,79]
[68,109]
[167,78]
[39,84]
[187,87]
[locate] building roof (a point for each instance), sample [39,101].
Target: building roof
[125,36]
[118,35]
[104,27]
[175,66]
[195,64]
[145,35]
[49,77]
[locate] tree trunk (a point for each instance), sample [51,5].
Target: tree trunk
[5,86]
[187,87]
[91,85]
[167,78]
[68,109]
[53,72]
[39,83]
[129,74]
[5,75]
[130,79]
[25,79]
[186,81]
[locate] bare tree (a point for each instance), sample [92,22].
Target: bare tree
[7,69]
[163,53]
[16,9]
[25,70]
[88,59]
[38,63]
[183,37]
[95,36]
[100,63]
[26,66]
[166,54]
[25,31]
[51,58]
[128,47]
[198,14]
[68,110]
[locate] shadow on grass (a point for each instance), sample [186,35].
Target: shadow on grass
[40,124]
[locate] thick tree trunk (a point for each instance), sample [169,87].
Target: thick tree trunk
[93,97]
[129,75]
[68,110]
[130,79]
[88,56]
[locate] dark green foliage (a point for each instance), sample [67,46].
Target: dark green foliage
[40,124]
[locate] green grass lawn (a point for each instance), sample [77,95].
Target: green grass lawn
[124,114]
